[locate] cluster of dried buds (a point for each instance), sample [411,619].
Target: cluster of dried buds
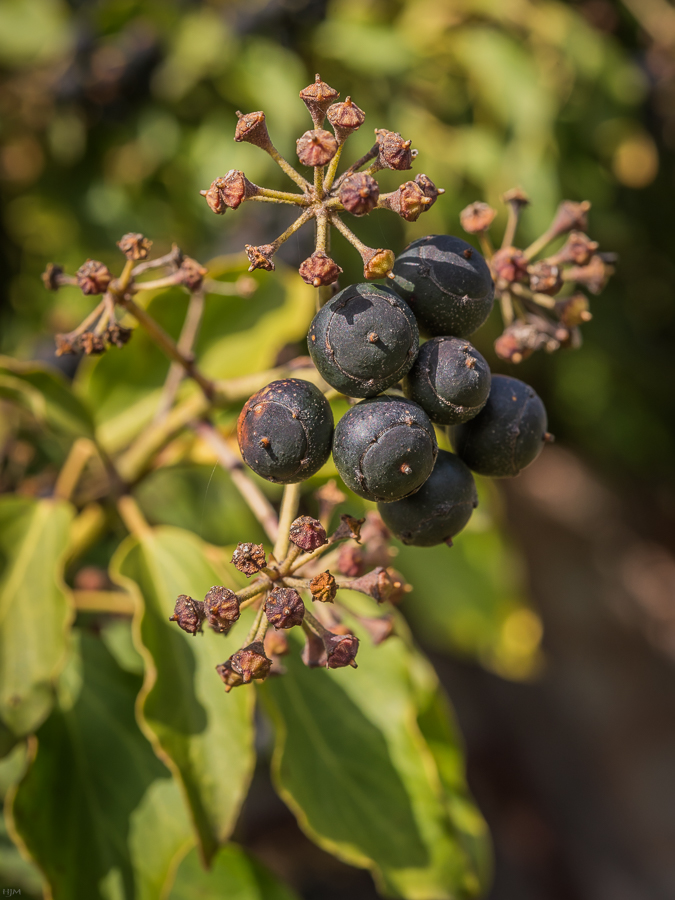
[323,200]
[542,305]
[277,590]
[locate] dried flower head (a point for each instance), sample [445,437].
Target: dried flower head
[221,607]
[477,217]
[284,608]
[249,558]
[323,587]
[189,614]
[307,533]
[251,662]
[135,246]
[93,277]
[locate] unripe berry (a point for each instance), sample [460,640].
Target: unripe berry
[509,432]
[447,284]
[363,340]
[285,431]
[385,448]
[450,380]
[439,510]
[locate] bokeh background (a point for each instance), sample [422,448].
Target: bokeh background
[553,627]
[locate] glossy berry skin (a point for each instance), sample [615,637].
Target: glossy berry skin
[364,340]
[439,510]
[450,380]
[507,435]
[384,448]
[446,283]
[285,431]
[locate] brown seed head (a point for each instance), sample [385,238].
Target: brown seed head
[118,335]
[477,217]
[252,128]
[134,246]
[251,662]
[229,191]
[509,264]
[92,344]
[93,277]
[316,147]
[284,608]
[249,558]
[409,201]
[260,257]
[577,249]
[229,677]
[359,194]
[394,152]
[429,189]
[517,198]
[377,264]
[573,310]
[323,587]
[188,613]
[319,269]
[276,643]
[317,97]
[569,215]
[341,650]
[545,277]
[378,584]
[307,533]
[221,607]
[345,118]
[67,345]
[593,276]
[348,529]
[51,277]
[192,273]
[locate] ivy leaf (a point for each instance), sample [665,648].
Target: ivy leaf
[354,766]
[234,876]
[35,610]
[96,809]
[205,735]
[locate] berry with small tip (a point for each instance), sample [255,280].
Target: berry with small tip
[251,662]
[221,607]
[189,614]
[307,533]
[284,608]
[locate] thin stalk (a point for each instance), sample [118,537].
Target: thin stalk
[188,335]
[299,199]
[265,199]
[506,304]
[373,169]
[332,168]
[292,228]
[351,237]
[486,244]
[511,225]
[302,183]
[93,315]
[543,300]
[318,182]
[158,283]
[371,154]
[256,625]
[169,259]
[248,594]
[289,510]
[78,457]
[314,624]
[538,245]
[262,627]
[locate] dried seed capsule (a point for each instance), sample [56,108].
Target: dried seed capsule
[385,448]
[229,677]
[252,128]
[319,269]
[409,201]
[340,650]
[229,192]
[118,335]
[188,613]
[359,194]
[573,310]
[345,118]
[439,510]
[545,277]
[510,265]
[477,217]
[377,264]
[192,273]
[507,435]
[93,277]
[317,97]
[323,587]
[285,431]
[51,277]
[284,608]
[450,380]
[307,533]
[92,344]
[450,291]
[260,257]
[577,249]
[316,148]
[134,246]
[428,188]
[221,607]
[394,152]
[378,583]
[251,662]
[249,558]
[363,340]
[569,215]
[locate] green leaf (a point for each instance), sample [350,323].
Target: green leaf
[234,876]
[205,734]
[352,763]
[35,610]
[97,810]
[47,395]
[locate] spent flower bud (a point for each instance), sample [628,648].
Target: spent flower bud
[319,269]
[359,194]
[394,152]
[51,277]
[229,191]
[323,587]
[93,277]
[545,277]
[477,217]
[377,264]
[569,215]
[135,246]
[317,97]
[577,249]
[192,273]
[188,613]
[249,558]
[409,201]
[510,265]
[260,257]
[340,650]
[345,118]
[252,129]
[307,533]
[251,662]
[316,148]
[229,677]
[284,608]
[221,607]
[428,188]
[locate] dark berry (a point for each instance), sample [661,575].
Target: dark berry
[439,510]
[447,284]
[449,379]
[385,448]
[509,432]
[285,431]
[364,340]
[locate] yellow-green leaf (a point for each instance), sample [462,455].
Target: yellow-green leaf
[234,876]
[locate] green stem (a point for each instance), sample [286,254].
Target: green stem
[289,510]
[302,183]
[332,169]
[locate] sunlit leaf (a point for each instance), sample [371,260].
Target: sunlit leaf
[234,876]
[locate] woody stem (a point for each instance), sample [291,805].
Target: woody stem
[288,168]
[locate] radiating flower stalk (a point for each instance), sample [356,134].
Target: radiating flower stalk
[541,302]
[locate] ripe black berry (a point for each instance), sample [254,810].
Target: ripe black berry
[285,431]
[385,448]
[439,510]
[509,432]
[364,340]
[450,380]
[447,284]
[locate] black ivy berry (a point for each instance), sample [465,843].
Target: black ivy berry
[509,432]
[385,448]
[285,431]
[364,340]
[450,380]
[447,284]
[439,510]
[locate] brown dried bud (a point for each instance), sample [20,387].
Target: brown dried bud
[593,276]
[510,347]
[229,677]
[135,246]
[251,662]
[378,584]
[316,148]
[340,650]
[307,533]
[51,277]
[252,128]
[188,613]
[317,97]
[260,257]
[408,201]
[510,264]
[284,608]
[323,587]
[377,264]
[229,192]
[378,629]
[118,335]
[192,273]
[276,643]
[92,344]
[569,215]
[93,277]
[351,561]
[429,189]
[329,496]
[523,337]
[345,118]
[319,269]
[477,217]
[249,558]
[545,277]
[517,198]
[314,652]
[577,249]
[221,607]
[349,528]
[359,194]
[573,310]
[67,345]
[394,152]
